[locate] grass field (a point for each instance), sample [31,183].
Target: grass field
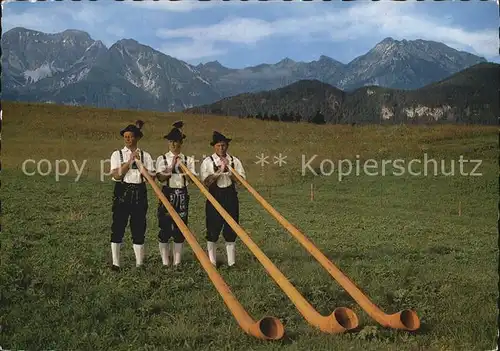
[399,238]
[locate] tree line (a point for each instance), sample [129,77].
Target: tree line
[318,118]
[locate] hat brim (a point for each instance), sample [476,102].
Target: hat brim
[227,140]
[138,134]
[176,139]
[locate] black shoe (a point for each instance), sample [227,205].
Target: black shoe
[115,268]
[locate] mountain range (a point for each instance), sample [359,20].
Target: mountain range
[470,96]
[72,68]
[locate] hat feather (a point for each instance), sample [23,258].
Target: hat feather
[139,123]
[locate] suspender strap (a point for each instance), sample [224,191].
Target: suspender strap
[232,166]
[121,161]
[166,165]
[142,160]
[184,175]
[213,162]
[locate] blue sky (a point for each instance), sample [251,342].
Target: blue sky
[240,34]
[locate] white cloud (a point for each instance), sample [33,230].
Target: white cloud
[97,20]
[30,18]
[116,31]
[88,15]
[56,20]
[360,22]
[237,30]
[192,51]
[173,6]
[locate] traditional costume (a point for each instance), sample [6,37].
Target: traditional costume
[130,199]
[224,191]
[175,190]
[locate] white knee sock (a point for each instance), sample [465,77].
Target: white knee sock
[115,253]
[212,252]
[139,254]
[177,253]
[164,253]
[231,252]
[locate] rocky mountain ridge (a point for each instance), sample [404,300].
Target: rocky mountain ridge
[72,68]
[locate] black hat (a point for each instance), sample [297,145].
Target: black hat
[178,124]
[134,128]
[218,137]
[176,134]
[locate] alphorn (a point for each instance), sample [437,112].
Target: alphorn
[341,320]
[267,328]
[405,320]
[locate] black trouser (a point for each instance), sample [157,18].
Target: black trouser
[228,198]
[129,200]
[179,199]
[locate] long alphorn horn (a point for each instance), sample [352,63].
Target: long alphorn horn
[406,319]
[341,320]
[267,328]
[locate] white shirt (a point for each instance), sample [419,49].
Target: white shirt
[176,179]
[207,168]
[133,175]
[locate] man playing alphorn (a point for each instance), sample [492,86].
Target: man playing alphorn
[130,193]
[175,190]
[222,185]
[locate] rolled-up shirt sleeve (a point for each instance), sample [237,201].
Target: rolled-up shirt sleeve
[206,169]
[149,164]
[238,167]
[115,160]
[191,165]
[160,164]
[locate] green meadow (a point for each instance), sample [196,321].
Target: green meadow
[408,241]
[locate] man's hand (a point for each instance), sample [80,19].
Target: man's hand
[224,164]
[167,171]
[119,173]
[213,177]
[165,174]
[133,156]
[176,164]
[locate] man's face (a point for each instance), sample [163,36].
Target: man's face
[174,145]
[221,148]
[130,139]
